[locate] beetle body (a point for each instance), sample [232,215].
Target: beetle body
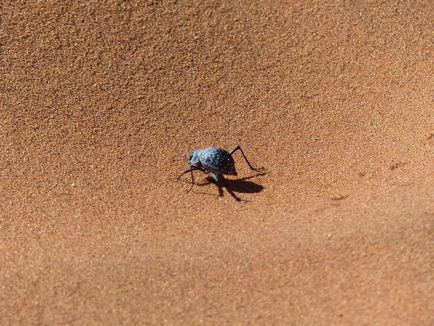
[214,160]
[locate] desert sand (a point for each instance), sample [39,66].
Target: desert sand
[102,101]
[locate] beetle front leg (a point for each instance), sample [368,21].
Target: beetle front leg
[191,169]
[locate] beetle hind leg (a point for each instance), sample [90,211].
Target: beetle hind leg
[238,148]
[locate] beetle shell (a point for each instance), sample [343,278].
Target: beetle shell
[215,159]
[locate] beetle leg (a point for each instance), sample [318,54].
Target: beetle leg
[238,148]
[216,176]
[191,169]
[221,183]
[192,179]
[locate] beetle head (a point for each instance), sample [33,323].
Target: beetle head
[193,158]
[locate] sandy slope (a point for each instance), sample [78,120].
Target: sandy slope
[100,104]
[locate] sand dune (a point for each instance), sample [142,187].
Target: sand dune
[101,103]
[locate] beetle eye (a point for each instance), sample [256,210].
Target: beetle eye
[189,157]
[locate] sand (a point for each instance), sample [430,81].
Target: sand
[100,103]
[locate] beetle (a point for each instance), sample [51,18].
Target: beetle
[214,160]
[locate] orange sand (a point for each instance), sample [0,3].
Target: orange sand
[101,102]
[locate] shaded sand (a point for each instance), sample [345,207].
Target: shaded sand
[100,104]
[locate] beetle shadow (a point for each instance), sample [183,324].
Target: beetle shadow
[242,185]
